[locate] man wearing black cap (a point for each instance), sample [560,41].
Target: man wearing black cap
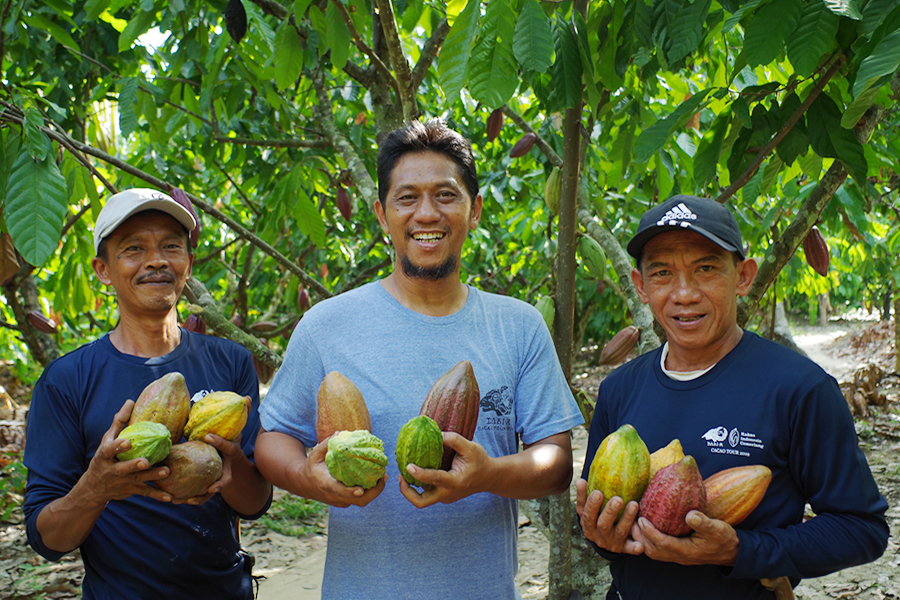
[134,541]
[731,398]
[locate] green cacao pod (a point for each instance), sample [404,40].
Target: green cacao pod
[221,413]
[548,310]
[673,492]
[551,190]
[620,467]
[165,401]
[148,440]
[593,256]
[420,443]
[356,458]
[193,467]
[453,402]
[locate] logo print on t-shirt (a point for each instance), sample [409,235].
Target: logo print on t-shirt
[716,434]
[742,443]
[499,401]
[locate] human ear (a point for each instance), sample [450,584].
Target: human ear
[638,280]
[746,274]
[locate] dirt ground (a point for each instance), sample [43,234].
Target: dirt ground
[293,565]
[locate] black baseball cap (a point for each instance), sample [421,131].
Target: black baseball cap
[707,217]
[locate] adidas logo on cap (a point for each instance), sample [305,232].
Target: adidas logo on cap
[675,214]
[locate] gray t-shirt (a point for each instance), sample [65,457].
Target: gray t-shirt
[389,549]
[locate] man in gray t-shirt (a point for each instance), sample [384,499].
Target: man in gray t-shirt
[393,338]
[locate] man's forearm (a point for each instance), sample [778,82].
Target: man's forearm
[66,522]
[541,469]
[248,491]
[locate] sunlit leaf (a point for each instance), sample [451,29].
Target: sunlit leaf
[128,92]
[37,143]
[135,28]
[845,8]
[337,37]
[533,41]
[451,66]
[491,70]
[288,56]
[768,31]
[567,68]
[56,32]
[654,137]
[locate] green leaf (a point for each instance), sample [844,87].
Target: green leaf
[533,40]
[796,141]
[709,150]
[492,70]
[750,191]
[732,21]
[305,211]
[59,34]
[845,8]
[135,28]
[337,36]
[654,137]
[884,60]
[768,31]
[300,7]
[813,38]
[36,205]
[829,139]
[686,29]
[37,144]
[288,59]
[94,8]
[451,67]
[874,12]
[128,119]
[854,112]
[567,69]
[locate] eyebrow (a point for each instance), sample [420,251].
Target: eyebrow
[447,183]
[702,259]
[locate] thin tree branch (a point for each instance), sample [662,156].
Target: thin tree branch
[289,143]
[407,92]
[364,47]
[429,53]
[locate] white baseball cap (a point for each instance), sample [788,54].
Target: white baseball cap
[125,204]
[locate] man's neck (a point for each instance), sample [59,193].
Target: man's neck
[686,360]
[148,337]
[432,298]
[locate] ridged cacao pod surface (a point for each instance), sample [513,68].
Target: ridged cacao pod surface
[620,467]
[148,440]
[193,467]
[419,442]
[494,124]
[665,456]
[732,494]
[593,256]
[618,348]
[356,458]
[221,413]
[816,250]
[341,407]
[453,402]
[552,189]
[195,324]
[524,144]
[673,492]
[41,322]
[167,401]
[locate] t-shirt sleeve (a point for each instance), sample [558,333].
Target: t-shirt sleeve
[826,462]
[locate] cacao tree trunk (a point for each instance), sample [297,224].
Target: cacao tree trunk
[42,346]
[896,332]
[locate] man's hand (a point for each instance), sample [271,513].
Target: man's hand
[230,451]
[108,479]
[328,489]
[601,527]
[713,542]
[471,466]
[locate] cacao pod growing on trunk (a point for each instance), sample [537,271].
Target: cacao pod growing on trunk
[343,202]
[523,145]
[618,348]
[181,198]
[551,190]
[816,250]
[494,124]
[40,322]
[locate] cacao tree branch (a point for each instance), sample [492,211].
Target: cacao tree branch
[42,346]
[429,53]
[364,47]
[407,92]
[289,143]
[522,124]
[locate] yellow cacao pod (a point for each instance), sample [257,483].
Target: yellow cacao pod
[665,456]
[221,413]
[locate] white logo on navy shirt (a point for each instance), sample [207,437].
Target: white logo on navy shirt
[739,443]
[677,215]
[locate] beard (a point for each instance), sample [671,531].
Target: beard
[445,269]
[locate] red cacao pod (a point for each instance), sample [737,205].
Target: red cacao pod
[237,321]
[816,250]
[264,371]
[620,346]
[601,286]
[264,326]
[302,298]
[523,145]
[453,402]
[195,323]
[181,198]
[343,202]
[494,124]
[673,492]
[732,494]
[40,322]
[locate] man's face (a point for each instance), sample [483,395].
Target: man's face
[691,285]
[428,214]
[147,263]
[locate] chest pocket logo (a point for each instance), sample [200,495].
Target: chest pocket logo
[500,401]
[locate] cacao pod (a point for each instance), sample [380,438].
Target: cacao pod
[816,250]
[236,20]
[148,440]
[665,456]
[732,494]
[552,188]
[673,492]
[40,322]
[453,402]
[165,401]
[264,326]
[601,287]
[221,413]
[302,298]
[181,198]
[343,202]
[523,145]
[356,458]
[341,407]
[620,467]
[419,442]
[195,324]
[620,346]
[193,467]
[494,124]
[548,310]
[264,371]
[593,256]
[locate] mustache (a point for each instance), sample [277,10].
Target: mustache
[160,276]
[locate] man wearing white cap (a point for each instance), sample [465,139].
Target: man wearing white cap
[732,399]
[137,541]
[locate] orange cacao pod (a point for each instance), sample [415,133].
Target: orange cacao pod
[453,402]
[40,322]
[341,407]
[166,401]
[620,346]
[494,124]
[523,145]
[732,494]
[816,250]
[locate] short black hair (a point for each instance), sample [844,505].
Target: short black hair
[102,252]
[431,136]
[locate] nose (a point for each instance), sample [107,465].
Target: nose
[426,210]
[685,290]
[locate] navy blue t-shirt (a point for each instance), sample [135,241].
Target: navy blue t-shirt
[761,404]
[139,547]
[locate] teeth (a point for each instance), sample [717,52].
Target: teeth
[686,319]
[424,237]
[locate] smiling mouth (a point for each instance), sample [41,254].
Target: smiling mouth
[688,319]
[427,237]
[156,279]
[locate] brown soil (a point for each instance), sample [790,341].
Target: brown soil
[292,565]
